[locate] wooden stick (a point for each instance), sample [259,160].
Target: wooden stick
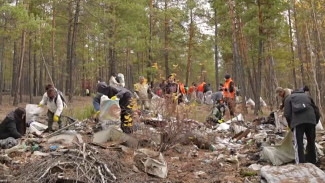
[109,171]
[60,130]
[101,175]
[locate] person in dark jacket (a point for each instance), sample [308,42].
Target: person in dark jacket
[14,125]
[125,97]
[302,116]
[100,89]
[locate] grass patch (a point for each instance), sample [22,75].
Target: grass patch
[80,112]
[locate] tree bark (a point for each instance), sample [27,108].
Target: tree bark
[166,51]
[190,45]
[299,45]
[35,70]
[2,51]
[53,43]
[149,63]
[30,80]
[291,49]
[14,70]
[73,50]
[314,69]
[15,103]
[236,57]
[41,76]
[69,48]
[258,78]
[216,56]
[111,48]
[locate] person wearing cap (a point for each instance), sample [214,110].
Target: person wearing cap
[55,106]
[283,93]
[14,125]
[229,94]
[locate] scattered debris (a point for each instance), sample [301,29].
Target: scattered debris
[151,162]
[306,172]
[8,143]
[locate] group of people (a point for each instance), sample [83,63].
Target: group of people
[299,108]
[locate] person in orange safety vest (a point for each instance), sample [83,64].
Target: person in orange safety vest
[229,94]
[200,91]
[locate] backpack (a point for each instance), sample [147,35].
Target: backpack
[60,94]
[300,103]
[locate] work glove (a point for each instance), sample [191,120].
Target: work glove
[221,121]
[114,98]
[288,128]
[56,118]
[39,105]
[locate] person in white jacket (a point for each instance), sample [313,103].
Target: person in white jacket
[54,104]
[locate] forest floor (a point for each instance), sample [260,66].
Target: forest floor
[225,162]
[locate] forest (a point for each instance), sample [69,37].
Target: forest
[263,44]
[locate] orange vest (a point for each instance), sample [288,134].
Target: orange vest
[201,87]
[190,90]
[182,88]
[227,94]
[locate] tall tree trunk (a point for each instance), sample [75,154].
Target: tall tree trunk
[234,39]
[14,70]
[2,51]
[149,63]
[299,45]
[53,43]
[166,51]
[190,45]
[216,56]
[35,70]
[259,60]
[314,69]
[111,48]
[291,48]
[69,48]
[318,52]
[30,80]
[20,68]
[73,50]
[41,76]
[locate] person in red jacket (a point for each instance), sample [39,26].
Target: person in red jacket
[229,94]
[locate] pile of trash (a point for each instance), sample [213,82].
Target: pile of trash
[171,149]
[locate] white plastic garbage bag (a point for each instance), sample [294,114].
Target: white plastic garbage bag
[33,112]
[250,102]
[262,102]
[281,153]
[223,126]
[151,162]
[319,126]
[305,172]
[240,117]
[208,98]
[109,109]
[37,128]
